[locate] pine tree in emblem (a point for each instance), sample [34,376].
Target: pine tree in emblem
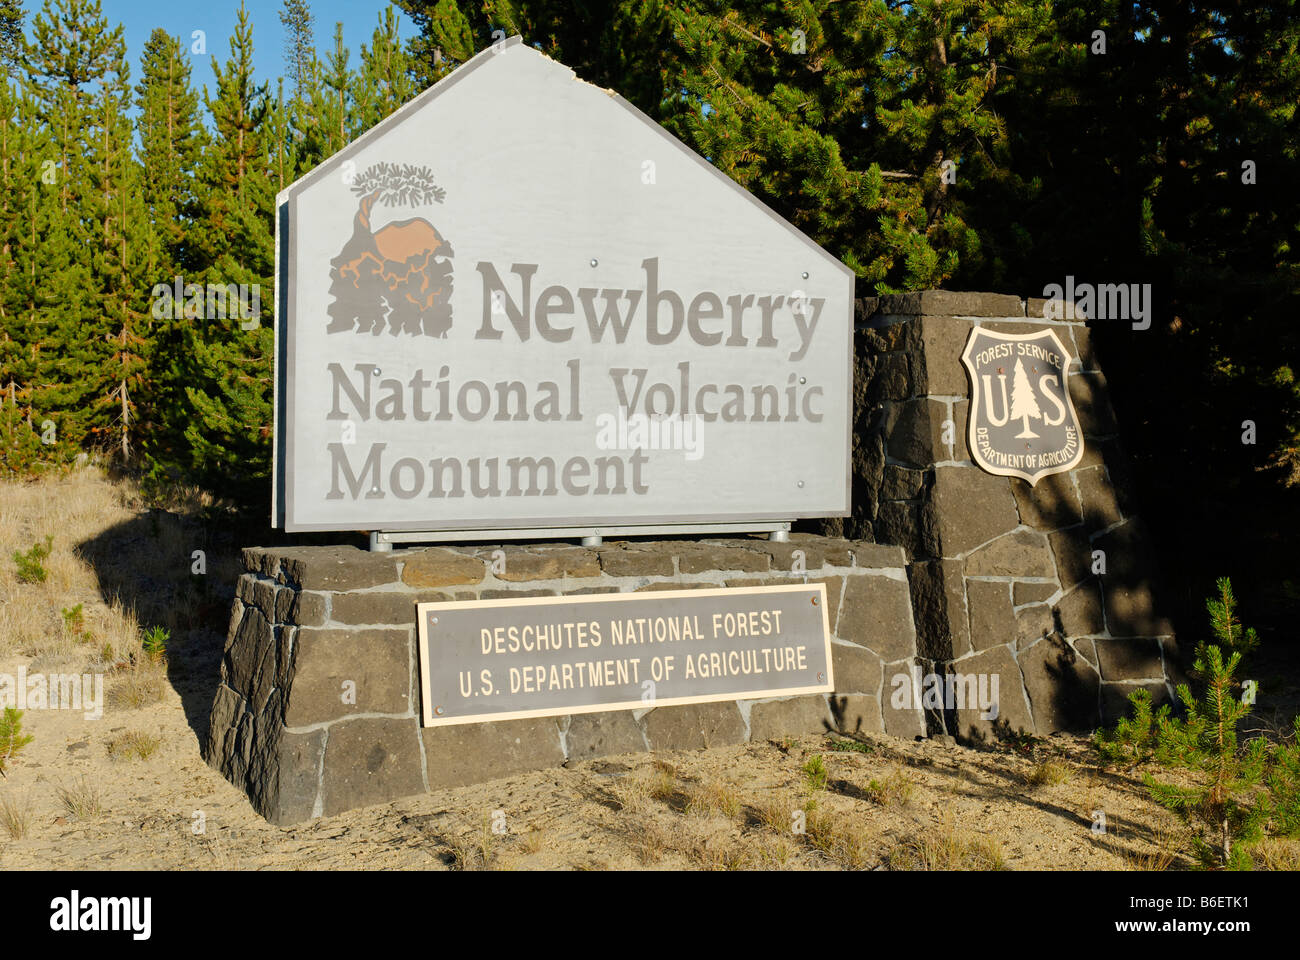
[1023,402]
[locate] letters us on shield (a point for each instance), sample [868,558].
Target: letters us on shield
[1022,422]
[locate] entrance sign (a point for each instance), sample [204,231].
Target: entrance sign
[1022,422]
[518,303]
[552,656]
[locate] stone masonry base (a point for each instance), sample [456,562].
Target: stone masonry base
[318,707]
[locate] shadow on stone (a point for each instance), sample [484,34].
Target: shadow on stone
[1019,740]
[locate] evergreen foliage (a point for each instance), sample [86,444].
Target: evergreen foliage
[227,360]
[1227,800]
[1238,792]
[12,738]
[299,51]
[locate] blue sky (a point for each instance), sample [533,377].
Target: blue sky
[217,19]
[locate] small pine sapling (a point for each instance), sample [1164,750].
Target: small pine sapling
[154,643]
[74,621]
[12,738]
[814,773]
[1230,804]
[30,568]
[1227,629]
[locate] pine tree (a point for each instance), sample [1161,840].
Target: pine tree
[1283,782]
[1134,163]
[227,421]
[299,50]
[77,66]
[450,32]
[12,738]
[333,121]
[1023,402]
[868,125]
[1229,803]
[1226,629]
[13,141]
[171,138]
[12,40]
[21,148]
[1240,791]
[121,237]
[45,255]
[280,140]
[1133,739]
[385,80]
[171,141]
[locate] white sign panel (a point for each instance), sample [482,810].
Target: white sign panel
[519,303]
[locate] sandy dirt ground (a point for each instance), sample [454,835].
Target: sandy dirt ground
[886,804]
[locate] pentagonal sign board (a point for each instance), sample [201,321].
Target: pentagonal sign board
[520,303]
[1022,422]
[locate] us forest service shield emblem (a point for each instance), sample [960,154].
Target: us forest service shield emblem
[1022,423]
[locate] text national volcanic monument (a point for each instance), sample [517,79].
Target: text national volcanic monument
[493,300]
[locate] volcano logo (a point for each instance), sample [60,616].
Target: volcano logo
[397,278]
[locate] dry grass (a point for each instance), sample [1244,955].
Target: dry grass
[73,509]
[630,794]
[70,509]
[81,799]
[832,835]
[474,851]
[16,816]
[1276,853]
[662,785]
[716,853]
[715,798]
[836,839]
[1171,838]
[894,790]
[774,855]
[947,848]
[634,794]
[139,686]
[478,850]
[647,841]
[134,745]
[781,813]
[465,854]
[102,536]
[534,841]
[1049,773]
[1156,861]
